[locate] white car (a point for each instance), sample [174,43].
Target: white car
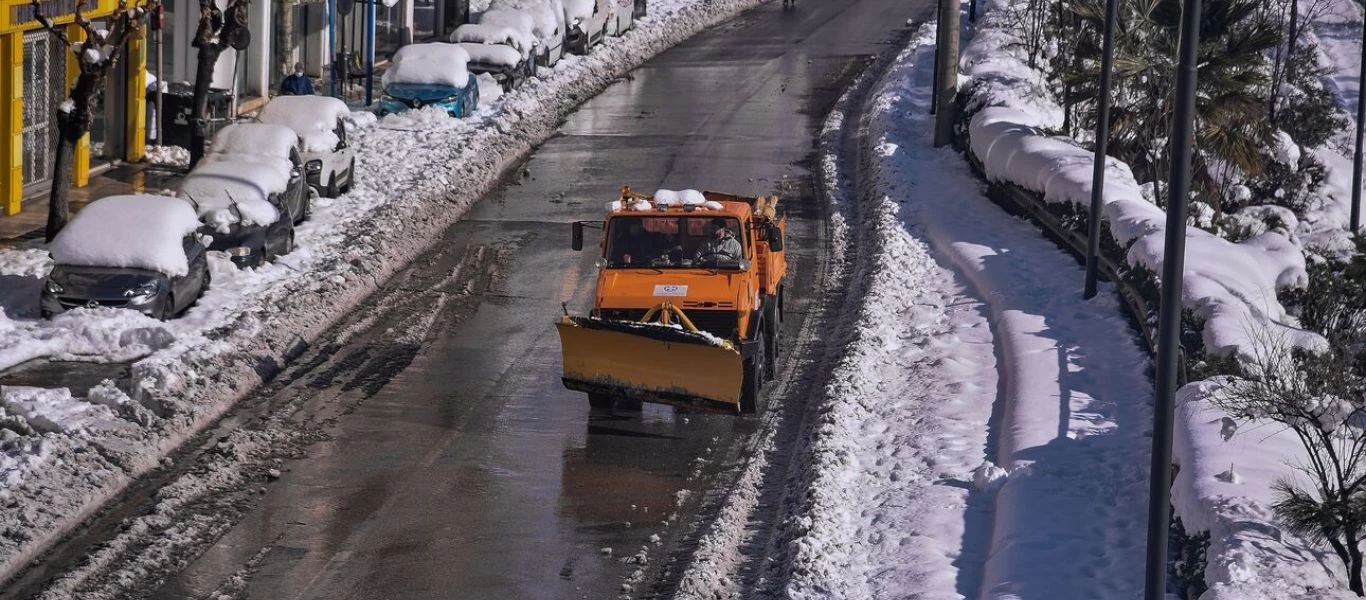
[320,121]
[591,21]
[532,23]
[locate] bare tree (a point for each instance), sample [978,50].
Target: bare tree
[1321,398]
[96,55]
[219,29]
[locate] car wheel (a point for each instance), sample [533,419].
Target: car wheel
[167,308]
[350,177]
[289,244]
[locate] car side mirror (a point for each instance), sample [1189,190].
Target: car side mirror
[775,237]
[576,240]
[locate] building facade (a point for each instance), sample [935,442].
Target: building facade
[39,71]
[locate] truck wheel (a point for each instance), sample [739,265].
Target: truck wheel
[751,389]
[771,332]
[602,401]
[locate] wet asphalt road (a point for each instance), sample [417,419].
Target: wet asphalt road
[457,465]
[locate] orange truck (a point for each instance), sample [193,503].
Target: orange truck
[688,304]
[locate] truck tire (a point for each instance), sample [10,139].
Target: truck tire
[752,387]
[602,401]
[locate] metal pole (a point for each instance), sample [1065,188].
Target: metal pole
[938,35]
[1107,65]
[1361,116]
[1169,321]
[370,52]
[161,81]
[332,48]
[947,85]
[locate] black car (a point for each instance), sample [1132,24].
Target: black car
[136,252]
[244,211]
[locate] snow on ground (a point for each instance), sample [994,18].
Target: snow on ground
[902,499]
[417,173]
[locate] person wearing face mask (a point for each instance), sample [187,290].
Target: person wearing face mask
[297,84]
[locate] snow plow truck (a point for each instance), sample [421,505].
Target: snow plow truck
[688,302]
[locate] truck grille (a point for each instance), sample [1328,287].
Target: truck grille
[720,323]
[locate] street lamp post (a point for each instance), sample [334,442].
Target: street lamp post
[1169,321]
[1107,65]
[1361,115]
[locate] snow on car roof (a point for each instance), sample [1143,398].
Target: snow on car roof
[135,231]
[492,54]
[579,9]
[548,15]
[436,63]
[515,20]
[254,139]
[485,33]
[215,186]
[313,118]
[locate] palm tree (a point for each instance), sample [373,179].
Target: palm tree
[1231,124]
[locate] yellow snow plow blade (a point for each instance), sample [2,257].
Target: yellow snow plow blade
[651,362]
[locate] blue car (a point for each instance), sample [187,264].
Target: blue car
[459,102]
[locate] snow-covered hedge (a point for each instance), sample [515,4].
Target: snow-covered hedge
[1226,467]
[417,173]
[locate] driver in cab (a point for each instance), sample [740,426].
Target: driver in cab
[722,246]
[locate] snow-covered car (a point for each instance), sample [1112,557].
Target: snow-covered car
[241,207]
[432,74]
[320,122]
[276,149]
[542,21]
[589,22]
[496,51]
[137,252]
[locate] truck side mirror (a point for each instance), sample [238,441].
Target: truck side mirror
[775,237]
[576,241]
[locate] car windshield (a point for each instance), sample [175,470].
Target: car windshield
[674,242]
[421,91]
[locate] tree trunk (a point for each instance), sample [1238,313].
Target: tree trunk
[1354,564]
[284,37]
[71,126]
[203,77]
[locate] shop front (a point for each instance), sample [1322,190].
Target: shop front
[39,71]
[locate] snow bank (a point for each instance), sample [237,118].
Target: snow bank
[143,232]
[411,184]
[1232,287]
[429,64]
[1223,486]
[492,55]
[313,118]
[226,192]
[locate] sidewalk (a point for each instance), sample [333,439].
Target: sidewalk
[128,178]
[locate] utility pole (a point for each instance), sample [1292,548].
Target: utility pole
[938,35]
[1361,115]
[1169,321]
[946,73]
[332,48]
[159,20]
[370,52]
[1107,66]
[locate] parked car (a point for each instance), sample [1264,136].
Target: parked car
[137,252]
[320,122]
[543,20]
[591,21]
[432,74]
[277,149]
[242,207]
[496,51]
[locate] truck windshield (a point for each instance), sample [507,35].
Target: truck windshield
[679,242]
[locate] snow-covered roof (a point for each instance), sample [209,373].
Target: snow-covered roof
[313,118]
[254,139]
[437,63]
[215,186]
[135,231]
[515,20]
[579,9]
[492,54]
